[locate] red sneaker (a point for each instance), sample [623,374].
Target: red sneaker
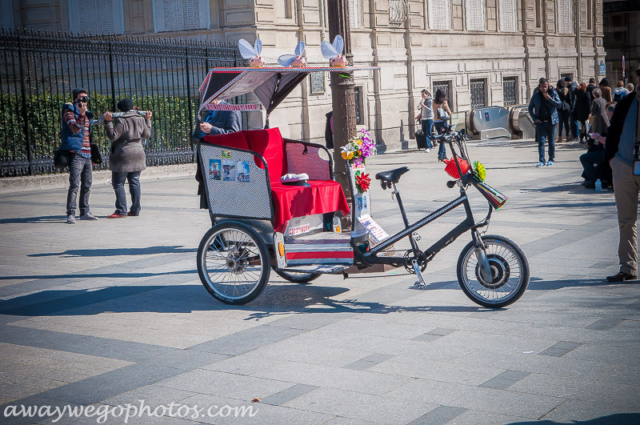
[116,215]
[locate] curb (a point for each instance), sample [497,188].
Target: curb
[61,181]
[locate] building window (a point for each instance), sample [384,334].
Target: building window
[538,13]
[288,9]
[478,93]
[589,13]
[445,86]
[508,16]
[439,14]
[564,17]
[96,17]
[357,94]
[475,15]
[180,15]
[354,13]
[510,90]
[6,14]
[317,82]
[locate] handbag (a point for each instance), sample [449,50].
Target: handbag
[61,159]
[443,115]
[96,157]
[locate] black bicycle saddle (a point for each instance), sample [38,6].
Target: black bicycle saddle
[392,176]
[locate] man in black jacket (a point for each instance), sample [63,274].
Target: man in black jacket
[621,150]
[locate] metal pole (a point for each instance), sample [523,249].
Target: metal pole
[113,85]
[343,101]
[189,89]
[25,116]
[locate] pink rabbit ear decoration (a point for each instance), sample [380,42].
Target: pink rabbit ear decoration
[333,52]
[252,52]
[296,60]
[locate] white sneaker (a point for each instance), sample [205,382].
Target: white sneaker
[427,150]
[71,219]
[89,216]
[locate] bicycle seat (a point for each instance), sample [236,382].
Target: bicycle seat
[392,176]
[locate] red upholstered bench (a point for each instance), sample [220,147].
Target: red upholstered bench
[289,156]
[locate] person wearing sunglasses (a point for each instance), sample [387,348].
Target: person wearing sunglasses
[76,139]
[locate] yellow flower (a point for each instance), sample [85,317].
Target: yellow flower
[359,142]
[350,156]
[344,155]
[481,172]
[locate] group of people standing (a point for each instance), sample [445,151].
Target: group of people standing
[434,115]
[126,161]
[613,120]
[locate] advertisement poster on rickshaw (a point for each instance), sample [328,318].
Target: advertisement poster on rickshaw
[244,175]
[215,169]
[228,170]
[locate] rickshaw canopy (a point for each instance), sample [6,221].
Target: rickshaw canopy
[270,85]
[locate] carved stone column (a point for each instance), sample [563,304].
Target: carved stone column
[343,100]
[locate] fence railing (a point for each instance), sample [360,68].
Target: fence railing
[39,70]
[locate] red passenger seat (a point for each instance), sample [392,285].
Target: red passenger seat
[322,196]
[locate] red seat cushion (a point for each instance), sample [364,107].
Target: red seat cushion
[323,196]
[270,145]
[232,140]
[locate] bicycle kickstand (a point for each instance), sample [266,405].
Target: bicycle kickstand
[420,284]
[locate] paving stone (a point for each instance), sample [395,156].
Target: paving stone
[289,394]
[368,361]
[439,415]
[247,340]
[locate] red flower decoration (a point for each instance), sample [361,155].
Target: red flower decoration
[362,181]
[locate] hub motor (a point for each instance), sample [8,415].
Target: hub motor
[500,272]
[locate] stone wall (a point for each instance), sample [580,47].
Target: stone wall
[454,41]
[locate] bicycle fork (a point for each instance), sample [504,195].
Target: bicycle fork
[481,256]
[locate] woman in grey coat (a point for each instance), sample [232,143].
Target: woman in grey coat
[599,113]
[127,157]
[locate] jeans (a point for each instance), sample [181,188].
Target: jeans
[80,169]
[442,150]
[427,127]
[564,122]
[588,161]
[546,131]
[117,181]
[574,127]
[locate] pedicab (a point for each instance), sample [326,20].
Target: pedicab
[276,206]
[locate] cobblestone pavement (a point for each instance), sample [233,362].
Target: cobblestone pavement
[112,312]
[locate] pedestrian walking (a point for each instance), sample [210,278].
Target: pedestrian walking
[565,110]
[76,140]
[592,85]
[582,110]
[543,111]
[621,150]
[443,115]
[426,117]
[620,92]
[127,159]
[605,86]
[572,86]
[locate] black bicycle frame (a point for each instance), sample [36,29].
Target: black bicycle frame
[370,257]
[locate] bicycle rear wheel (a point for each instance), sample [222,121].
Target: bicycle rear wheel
[509,273]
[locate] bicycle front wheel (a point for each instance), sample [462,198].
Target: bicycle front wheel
[509,273]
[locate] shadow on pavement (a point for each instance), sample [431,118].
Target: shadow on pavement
[95,275]
[173,249]
[617,419]
[280,299]
[47,219]
[545,285]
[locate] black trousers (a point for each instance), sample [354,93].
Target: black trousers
[117,182]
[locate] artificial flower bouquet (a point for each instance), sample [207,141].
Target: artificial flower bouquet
[358,149]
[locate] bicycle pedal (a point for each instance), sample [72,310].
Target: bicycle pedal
[420,285]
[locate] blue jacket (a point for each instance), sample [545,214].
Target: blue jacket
[70,141]
[554,103]
[223,122]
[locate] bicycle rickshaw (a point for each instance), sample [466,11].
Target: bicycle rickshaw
[264,222]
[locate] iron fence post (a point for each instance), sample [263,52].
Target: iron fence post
[23,90]
[113,85]
[189,90]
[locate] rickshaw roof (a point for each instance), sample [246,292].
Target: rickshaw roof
[271,85]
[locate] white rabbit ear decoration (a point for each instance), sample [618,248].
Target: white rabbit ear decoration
[333,52]
[296,60]
[252,52]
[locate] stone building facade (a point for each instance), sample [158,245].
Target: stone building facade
[483,52]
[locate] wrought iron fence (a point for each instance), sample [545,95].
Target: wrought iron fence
[39,70]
